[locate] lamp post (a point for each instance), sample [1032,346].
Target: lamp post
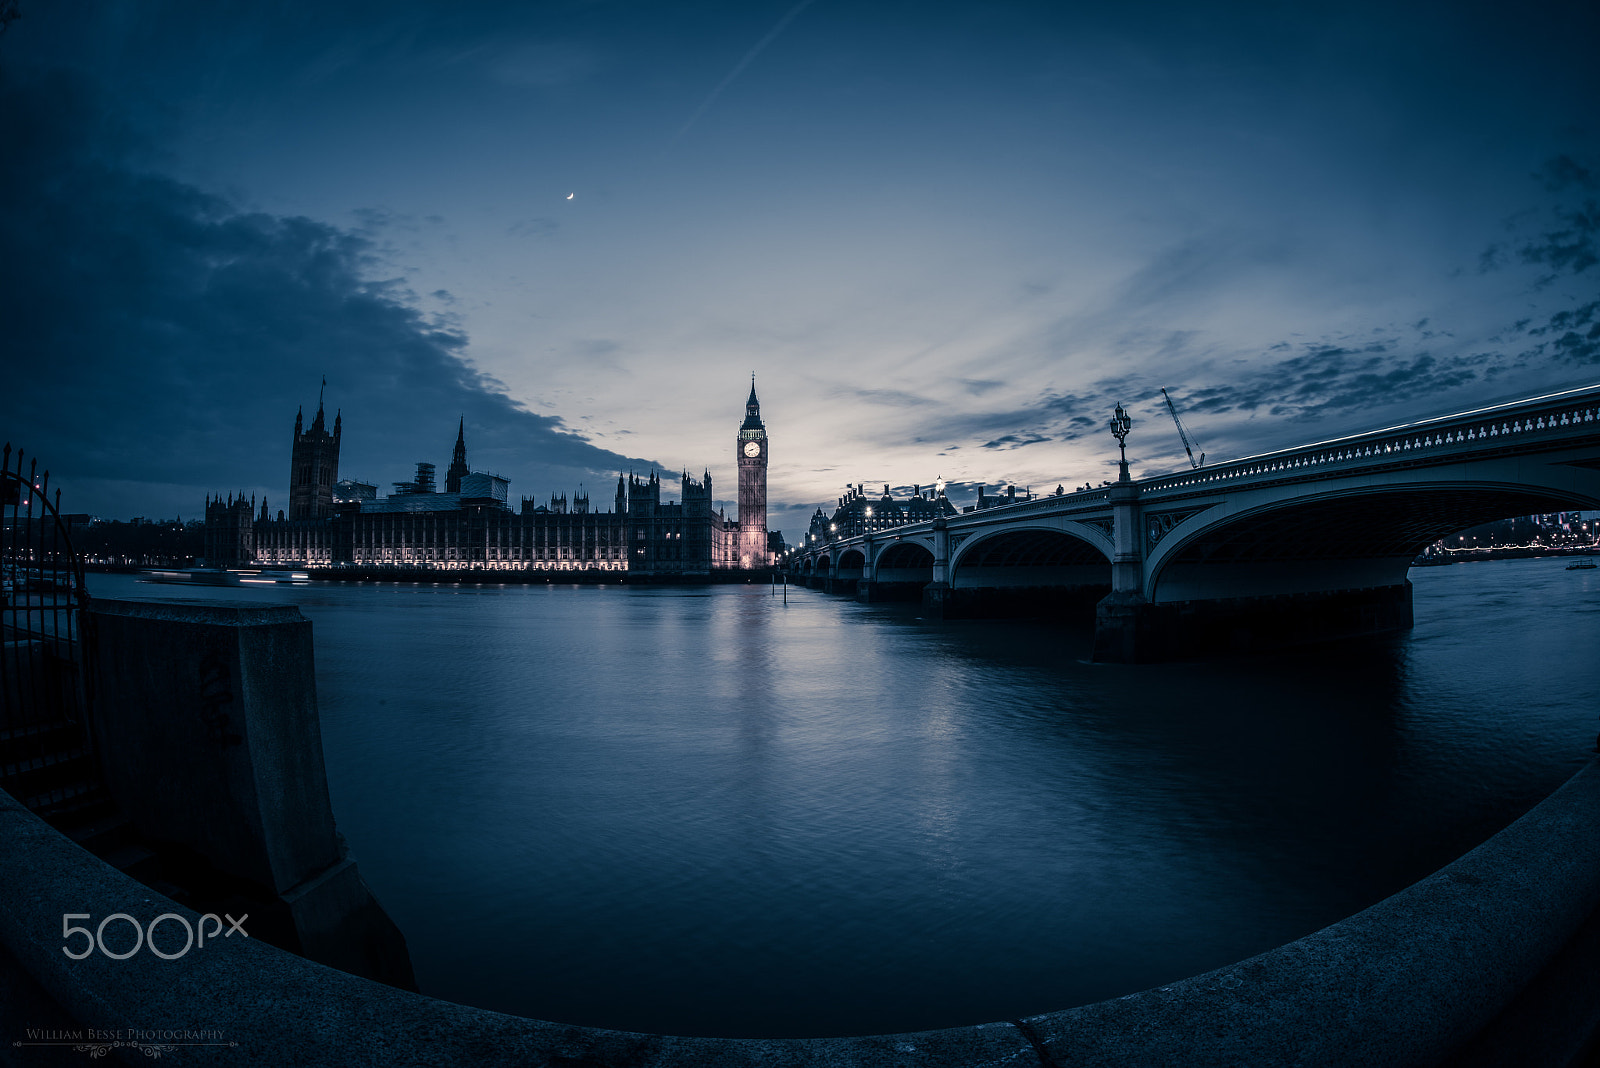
[1120,424]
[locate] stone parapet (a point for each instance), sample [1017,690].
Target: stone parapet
[205,722]
[1436,975]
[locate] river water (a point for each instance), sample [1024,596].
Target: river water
[703,810]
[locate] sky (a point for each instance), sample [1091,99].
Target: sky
[946,239]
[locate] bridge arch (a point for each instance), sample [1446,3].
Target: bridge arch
[1354,538]
[1029,556]
[904,562]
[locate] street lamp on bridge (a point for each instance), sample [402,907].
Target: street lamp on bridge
[1120,424]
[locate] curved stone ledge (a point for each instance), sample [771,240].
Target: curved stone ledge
[1405,982]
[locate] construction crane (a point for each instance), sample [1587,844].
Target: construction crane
[1182,433]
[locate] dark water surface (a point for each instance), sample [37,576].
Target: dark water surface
[702,811]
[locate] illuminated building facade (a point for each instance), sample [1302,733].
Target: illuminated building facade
[859,513]
[471,525]
[751,454]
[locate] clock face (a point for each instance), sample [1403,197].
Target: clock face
[752,448]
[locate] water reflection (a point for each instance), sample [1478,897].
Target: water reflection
[704,811]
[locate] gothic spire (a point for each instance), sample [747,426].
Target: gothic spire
[752,410]
[458,460]
[316,422]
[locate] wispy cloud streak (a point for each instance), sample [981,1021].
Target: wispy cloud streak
[749,57]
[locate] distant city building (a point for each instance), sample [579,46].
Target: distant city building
[1552,530]
[1007,496]
[858,512]
[471,525]
[140,542]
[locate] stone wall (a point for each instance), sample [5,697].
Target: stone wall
[1463,968]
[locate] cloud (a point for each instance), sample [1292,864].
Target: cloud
[1331,379]
[1563,172]
[892,397]
[1012,441]
[1577,335]
[1568,243]
[159,339]
[1570,247]
[745,61]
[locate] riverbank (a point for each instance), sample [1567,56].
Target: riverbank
[487,577]
[1510,552]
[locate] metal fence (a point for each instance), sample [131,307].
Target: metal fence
[44,741]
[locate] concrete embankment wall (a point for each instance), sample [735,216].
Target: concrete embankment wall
[205,722]
[1414,980]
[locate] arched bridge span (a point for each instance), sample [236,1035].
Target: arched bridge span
[1303,543]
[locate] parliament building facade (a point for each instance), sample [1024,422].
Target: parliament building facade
[471,526]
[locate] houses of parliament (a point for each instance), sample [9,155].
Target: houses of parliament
[470,525]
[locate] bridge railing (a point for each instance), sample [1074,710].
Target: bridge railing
[1502,424]
[1081,498]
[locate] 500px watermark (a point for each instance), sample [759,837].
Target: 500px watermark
[146,935]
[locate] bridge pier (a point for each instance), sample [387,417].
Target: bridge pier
[1129,631]
[936,594]
[1125,627]
[878,591]
[1126,630]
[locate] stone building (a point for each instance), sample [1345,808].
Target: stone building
[859,512]
[313,467]
[471,525]
[230,530]
[751,454]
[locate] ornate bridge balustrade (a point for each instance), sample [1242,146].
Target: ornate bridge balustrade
[1301,544]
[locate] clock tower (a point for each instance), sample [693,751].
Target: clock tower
[751,453]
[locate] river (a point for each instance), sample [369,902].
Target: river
[703,810]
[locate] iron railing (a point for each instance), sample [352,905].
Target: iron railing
[44,738]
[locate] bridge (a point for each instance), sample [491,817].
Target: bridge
[1306,543]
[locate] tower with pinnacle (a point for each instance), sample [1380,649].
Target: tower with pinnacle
[751,454]
[458,461]
[313,466]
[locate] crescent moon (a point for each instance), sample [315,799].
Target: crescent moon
[571,195]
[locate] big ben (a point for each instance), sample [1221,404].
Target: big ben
[752,456]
